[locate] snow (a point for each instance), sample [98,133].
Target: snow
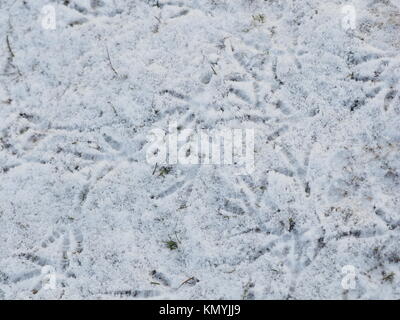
[79,198]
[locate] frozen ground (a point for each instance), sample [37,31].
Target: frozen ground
[78,197]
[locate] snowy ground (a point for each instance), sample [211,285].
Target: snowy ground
[78,198]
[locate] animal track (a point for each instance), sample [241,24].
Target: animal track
[70,244]
[381,71]
[158,279]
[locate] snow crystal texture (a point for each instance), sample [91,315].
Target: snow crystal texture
[78,197]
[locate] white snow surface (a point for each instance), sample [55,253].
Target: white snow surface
[77,104]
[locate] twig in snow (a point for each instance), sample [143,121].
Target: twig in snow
[212,68]
[115,111]
[10,59]
[191,279]
[155,168]
[9,47]
[12,55]
[111,65]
